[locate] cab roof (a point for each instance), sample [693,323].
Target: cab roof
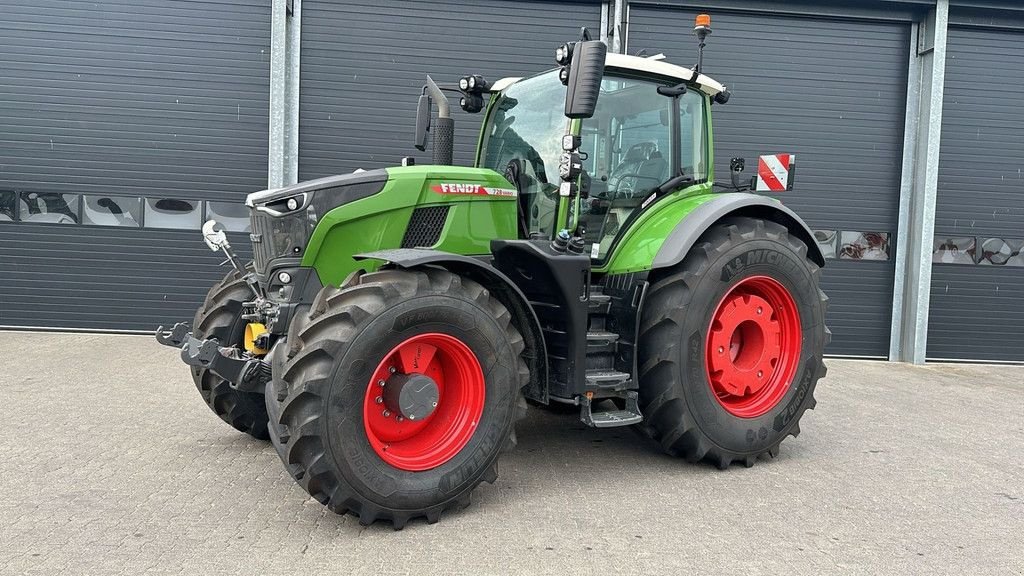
[654,65]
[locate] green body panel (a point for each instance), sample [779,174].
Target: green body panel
[379,222]
[636,249]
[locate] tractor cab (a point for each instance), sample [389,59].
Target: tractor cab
[637,140]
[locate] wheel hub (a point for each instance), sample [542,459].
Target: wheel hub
[412,396]
[746,344]
[424,402]
[753,346]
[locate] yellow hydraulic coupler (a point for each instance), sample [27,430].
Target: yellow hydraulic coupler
[253,331]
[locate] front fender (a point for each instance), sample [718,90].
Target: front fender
[480,271]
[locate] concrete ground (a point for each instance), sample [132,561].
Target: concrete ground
[113,465]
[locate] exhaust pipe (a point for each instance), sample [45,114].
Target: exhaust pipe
[443,128]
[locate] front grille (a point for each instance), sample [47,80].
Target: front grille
[262,240]
[425,227]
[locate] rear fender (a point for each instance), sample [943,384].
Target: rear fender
[498,284]
[683,237]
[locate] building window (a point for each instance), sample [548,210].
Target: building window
[953,250]
[112,211]
[826,240]
[1002,252]
[173,213]
[8,205]
[49,207]
[234,216]
[864,245]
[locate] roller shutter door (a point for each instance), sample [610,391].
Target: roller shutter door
[123,125]
[364,63]
[833,91]
[977,295]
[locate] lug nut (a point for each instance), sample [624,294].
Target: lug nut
[412,417]
[435,404]
[380,400]
[400,418]
[380,383]
[759,373]
[387,413]
[721,349]
[392,369]
[759,310]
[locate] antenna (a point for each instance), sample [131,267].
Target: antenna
[702,28]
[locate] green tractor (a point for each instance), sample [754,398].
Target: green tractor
[395,323]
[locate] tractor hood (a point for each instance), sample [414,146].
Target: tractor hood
[283,219]
[371,177]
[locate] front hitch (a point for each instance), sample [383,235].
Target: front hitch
[174,337]
[242,371]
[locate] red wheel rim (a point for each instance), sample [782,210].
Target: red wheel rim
[432,441]
[753,346]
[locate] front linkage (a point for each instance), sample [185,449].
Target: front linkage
[245,371]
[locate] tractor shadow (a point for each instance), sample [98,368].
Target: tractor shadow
[557,432]
[555,438]
[556,463]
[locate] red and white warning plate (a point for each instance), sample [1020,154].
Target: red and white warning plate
[471,189]
[775,172]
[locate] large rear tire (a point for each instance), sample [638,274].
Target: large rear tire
[731,344]
[220,317]
[337,382]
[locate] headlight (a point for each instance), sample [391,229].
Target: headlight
[284,205]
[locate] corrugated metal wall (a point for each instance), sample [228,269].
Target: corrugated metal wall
[364,63]
[118,119]
[124,124]
[977,293]
[833,92]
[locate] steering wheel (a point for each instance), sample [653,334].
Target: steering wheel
[623,190]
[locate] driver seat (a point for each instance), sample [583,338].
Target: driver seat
[654,170]
[635,156]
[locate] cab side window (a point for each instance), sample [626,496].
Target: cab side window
[631,152]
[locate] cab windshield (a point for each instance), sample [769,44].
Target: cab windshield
[628,145]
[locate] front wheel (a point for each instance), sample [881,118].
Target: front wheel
[731,344]
[220,317]
[397,392]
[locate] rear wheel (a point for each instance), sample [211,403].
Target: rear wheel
[397,393]
[220,317]
[731,344]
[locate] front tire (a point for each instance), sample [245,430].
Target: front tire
[731,344]
[441,338]
[220,317]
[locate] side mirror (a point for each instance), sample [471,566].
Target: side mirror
[585,74]
[215,239]
[422,122]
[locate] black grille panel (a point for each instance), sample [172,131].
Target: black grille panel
[425,227]
[262,240]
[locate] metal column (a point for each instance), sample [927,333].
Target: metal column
[918,187]
[285,28]
[618,28]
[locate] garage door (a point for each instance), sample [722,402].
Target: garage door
[834,93]
[363,65]
[977,296]
[123,125]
